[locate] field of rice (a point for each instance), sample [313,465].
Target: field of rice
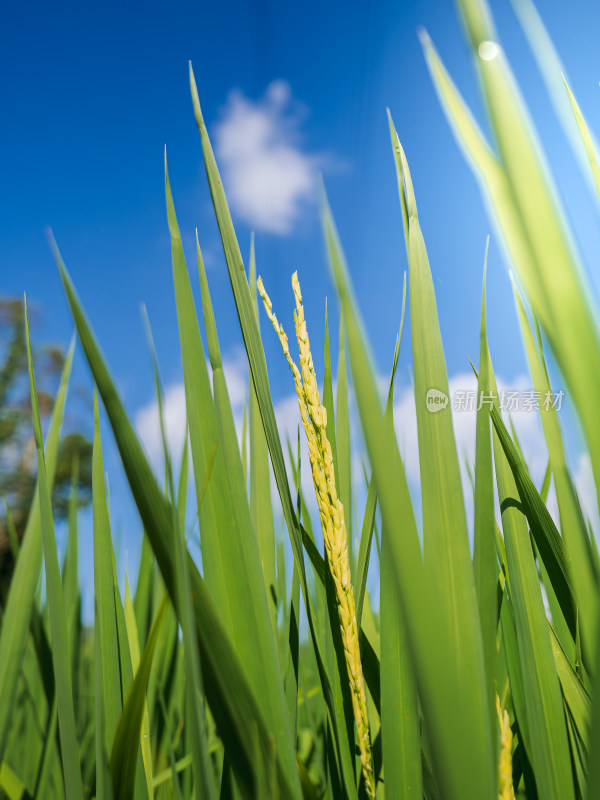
[266,669]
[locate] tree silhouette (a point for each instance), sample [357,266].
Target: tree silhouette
[18,464]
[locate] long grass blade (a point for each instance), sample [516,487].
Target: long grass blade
[229,547]
[56,607]
[586,136]
[446,546]
[368,526]
[551,69]
[231,699]
[328,395]
[399,708]
[19,604]
[104,595]
[573,527]
[342,439]
[484,547]
[548,744]
[123,759]
[71,590]
[134,648]
[260,477]
[194,689]
[530,213]
[258,371]
[450,716]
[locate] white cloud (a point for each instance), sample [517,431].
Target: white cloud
[148,424]
[268,177]
[527,425]
[174,411]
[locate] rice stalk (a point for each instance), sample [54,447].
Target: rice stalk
[331,512]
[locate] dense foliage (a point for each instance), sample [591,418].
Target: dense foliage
[476,677]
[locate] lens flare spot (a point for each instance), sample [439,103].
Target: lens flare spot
[489,50]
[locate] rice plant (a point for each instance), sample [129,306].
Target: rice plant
[473,673]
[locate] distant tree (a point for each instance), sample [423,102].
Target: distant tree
[18,465]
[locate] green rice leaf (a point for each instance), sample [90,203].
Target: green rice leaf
[543,529]
[56,607]
[448,708]
[446,545]
[578,562]
[578,756]
[183,483]
[142,602]
[21,595]
[586,136]
[134,649]
[342,440]
[261,505]
[515,672]
[230,697]
[71,581]
[548,744]
[230,553]
[484,547]
[126,670]
[11,784]
[400,723]
[551,69]
[575,695]
[12,531]
[48,758]
[364,551]
[104,596]
[258,371]
[291,673]
[534,227]
[123,759]
[593,787]
[328,397]
[366,536]
[399,709]
[194,690]
[180,765]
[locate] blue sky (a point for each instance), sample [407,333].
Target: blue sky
[92,92]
